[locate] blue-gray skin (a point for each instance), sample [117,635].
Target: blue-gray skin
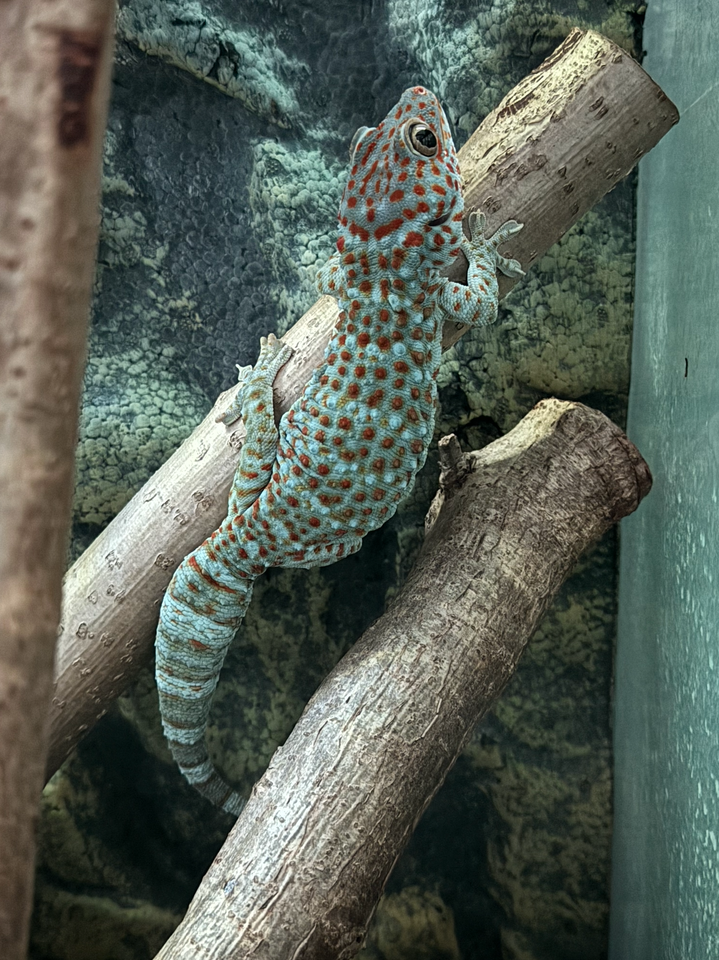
[347,452]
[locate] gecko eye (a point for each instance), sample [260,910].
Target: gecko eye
[422,139]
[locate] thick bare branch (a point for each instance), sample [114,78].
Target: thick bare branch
[556,144]
[302,870]
[54,81]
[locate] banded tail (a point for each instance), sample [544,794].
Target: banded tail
[200,614]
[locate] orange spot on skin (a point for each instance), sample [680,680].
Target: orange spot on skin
[360,232]
[387,228]
[396,196]
[192,562]
[323,469]
[413,239]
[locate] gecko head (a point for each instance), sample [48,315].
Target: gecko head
[404,187]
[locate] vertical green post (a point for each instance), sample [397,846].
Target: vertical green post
[665,881]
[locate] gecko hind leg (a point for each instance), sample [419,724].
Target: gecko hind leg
[254,403]
[328,279]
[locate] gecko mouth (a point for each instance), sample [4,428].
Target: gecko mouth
[440,220]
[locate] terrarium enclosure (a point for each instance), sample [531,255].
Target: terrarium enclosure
[223,165]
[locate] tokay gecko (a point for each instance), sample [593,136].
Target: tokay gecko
[347,452]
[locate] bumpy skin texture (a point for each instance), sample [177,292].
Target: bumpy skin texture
[347,452]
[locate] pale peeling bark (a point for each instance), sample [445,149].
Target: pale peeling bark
[302,870]
[554,146]
[55,63]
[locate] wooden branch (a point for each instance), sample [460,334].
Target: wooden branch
[556,144]
[55,64]
[303,868]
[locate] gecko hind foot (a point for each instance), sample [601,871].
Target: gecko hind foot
[273,355]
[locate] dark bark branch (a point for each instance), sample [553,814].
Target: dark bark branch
[556,144]
[54,81]
[302,870]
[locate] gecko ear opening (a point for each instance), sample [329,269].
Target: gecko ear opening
[360,134]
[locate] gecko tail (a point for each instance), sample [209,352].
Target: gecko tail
[193,637]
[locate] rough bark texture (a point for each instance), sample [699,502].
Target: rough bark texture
[54,70]
[556,144]
[302,870]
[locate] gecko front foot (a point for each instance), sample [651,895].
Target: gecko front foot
[273,355]
[488,247]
